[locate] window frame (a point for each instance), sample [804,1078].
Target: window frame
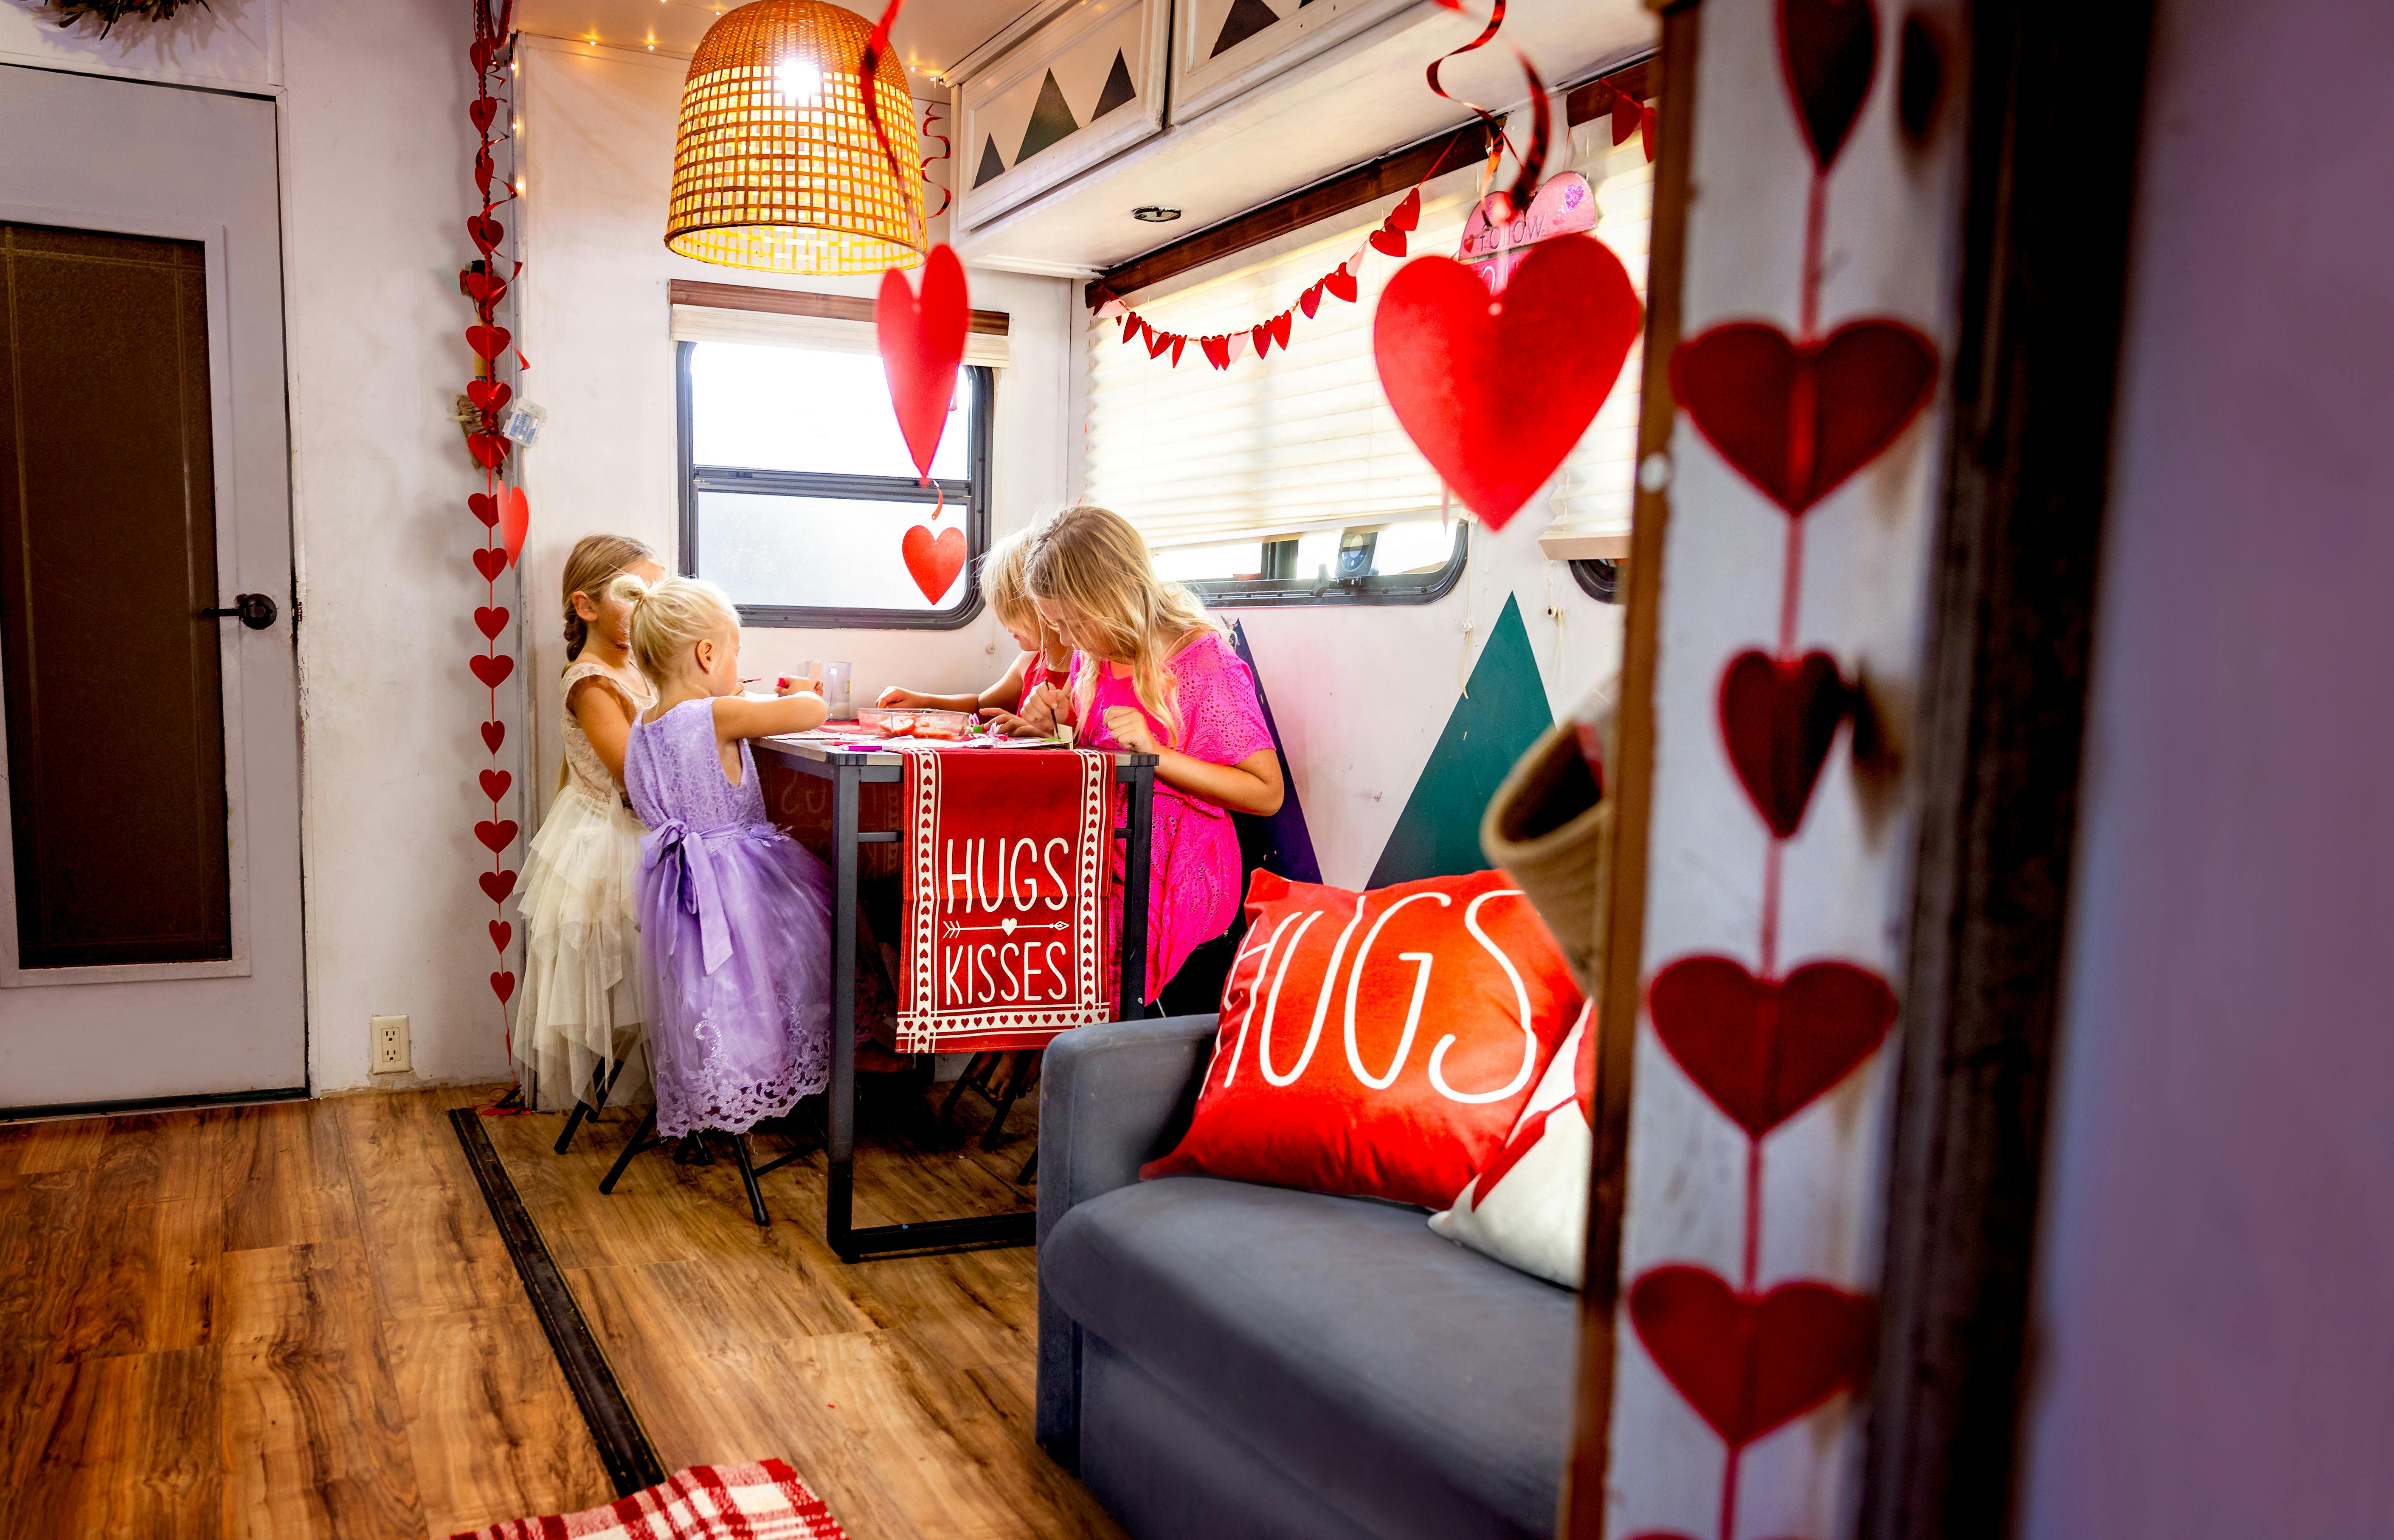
[972,496]
[1290,593]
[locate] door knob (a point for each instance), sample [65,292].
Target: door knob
[254,610]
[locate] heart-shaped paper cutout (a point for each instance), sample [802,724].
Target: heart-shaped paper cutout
[490,562]
[1311,300]
[1157,342]
[483,110]
[1390,240]
[485,287]
[1797,418]
[1748,1364]
[1280,326]
[1261,335]
[489,394]
[481,53]
[933,561]
[1342,283]
[495,784]
[1829,50]
[485,507]
[921,346]
[488,449]
[484,170]
[488,341]
[1779,719]
[1495,393]
[503,984]
[501,934]
[492,668]
[1407,214]
[494,734]
[1763,1048]
[486,231]
[1218,350]
[498,834]
[498,884]
[490,620]
[515,521]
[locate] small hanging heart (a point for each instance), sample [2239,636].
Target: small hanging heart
[922,342]
[515,521]
[1158,342]
[1750,1362]
[484,170]
[501,934]
[495,784]
[498,884]
[1341,283]
[494,734]
[498,834]
[490,394]
[503,984]
[488,449]
[1764,1048]
[486,231]
[490,620]
[1262,337]
[1829,52]
[1218,350]
[1779,719]
[1280,325]
[485,507]
[490,562]
[933,563]
[485,287]
[488,341]
[1407,214]
[483,110]
[1311,300]
[1390,240]
[492,668]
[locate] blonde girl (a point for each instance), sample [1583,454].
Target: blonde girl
[1046,657]
[580,1012]
[735,915]
[1154,675]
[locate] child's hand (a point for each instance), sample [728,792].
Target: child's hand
[1130,729]
[1008,723]
[810,682]
[1045,707]
[911,700]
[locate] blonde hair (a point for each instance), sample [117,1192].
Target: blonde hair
[596,558]
[1093,561]
[1001,583]
[670,614]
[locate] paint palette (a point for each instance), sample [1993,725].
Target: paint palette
[952,727]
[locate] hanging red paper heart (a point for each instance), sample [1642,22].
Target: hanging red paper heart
[485,288]
[1625,117]
[484,170]
[482,110]
[495,784]
[1828,51]
[488,341]
[487,232]
[1797,418]
[1748,1364]
[490,621]
[1218,350]
[1177,343]
[501,934]
[1390,240]
[498,884]
[933,563]
[1495,393]
[1340,282]
[1405,215]
[492,668]
[1763,1048]
[485,507]
[515,521]
[480,54]
[489,394]
[503,984]
[498,835]
[490,562]
[1279,326]
[1262,337]
[1778,719]
[488,449]
[922,347]
[1311,300]
[494,734]
[1157,342]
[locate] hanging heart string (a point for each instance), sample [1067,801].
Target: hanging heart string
[1532,161]
[947,152]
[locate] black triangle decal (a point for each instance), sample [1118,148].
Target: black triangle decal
[991,165]
[1246,18]
[1050,120]
[1118,91]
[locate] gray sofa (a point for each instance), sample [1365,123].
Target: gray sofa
[1241,1363]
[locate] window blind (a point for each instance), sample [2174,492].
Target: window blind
[1303,439]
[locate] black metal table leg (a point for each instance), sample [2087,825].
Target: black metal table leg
[1135,881]
[839,1193]
[748,1175]
[639,1141]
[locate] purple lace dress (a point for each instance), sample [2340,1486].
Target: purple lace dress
[735,935]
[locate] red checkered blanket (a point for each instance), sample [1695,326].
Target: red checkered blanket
[1004,883]
[707,1502]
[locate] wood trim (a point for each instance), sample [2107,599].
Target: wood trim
[2054,109]
[824,307]
[1633,776]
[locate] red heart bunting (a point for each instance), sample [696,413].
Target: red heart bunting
[1625,117]
[1797,418]
[492,668]
[1779,719]
[482,110]
[494,734]
[488,341]
[1311,300]
[933,563]
[1763,1048]
[489,394]
[490,562]
[1390,240]
[488,449]
[503,985]
[1829,50]
[495,784]
[515,521]
[1279,326]
[501,934]
[1482,388]
[1342,283]
[1407,214]
[485,507]
[498,835]
[921,346]
[487,232]
[1646,126]
[1262,336]
[490,621]
[1748,1364]
[498,884]
[1157,342]
[1218,350]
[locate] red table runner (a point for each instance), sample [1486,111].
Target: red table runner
[1005,876]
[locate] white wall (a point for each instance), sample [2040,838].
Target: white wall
[597,157]
[2215,1348]
[375,147]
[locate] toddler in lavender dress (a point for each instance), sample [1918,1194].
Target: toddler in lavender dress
[735,916]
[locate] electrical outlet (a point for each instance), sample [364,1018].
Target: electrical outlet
[389,1039]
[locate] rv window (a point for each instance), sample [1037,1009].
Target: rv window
[797,489]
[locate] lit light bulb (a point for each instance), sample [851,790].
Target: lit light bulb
[798,82]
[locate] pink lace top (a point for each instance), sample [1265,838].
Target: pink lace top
[1193,865]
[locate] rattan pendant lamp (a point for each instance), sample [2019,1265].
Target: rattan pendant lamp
[775,166]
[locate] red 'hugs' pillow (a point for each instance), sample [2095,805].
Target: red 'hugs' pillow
[1379,1044]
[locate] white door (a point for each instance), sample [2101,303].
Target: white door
[149,920]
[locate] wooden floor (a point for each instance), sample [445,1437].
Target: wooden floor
[298,1319]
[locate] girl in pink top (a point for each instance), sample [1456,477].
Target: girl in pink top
[1154,675]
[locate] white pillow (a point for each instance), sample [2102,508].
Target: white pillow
[1528,1205]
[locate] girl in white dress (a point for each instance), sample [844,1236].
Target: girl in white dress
[580,1017]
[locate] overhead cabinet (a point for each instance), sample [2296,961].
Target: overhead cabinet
[1082,85]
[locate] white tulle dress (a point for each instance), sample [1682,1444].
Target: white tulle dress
[580,1009]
